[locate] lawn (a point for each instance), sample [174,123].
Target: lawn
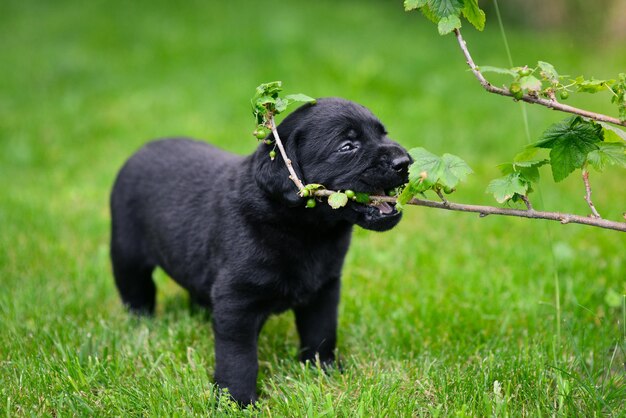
[446,315]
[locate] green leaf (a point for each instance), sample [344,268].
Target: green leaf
[474,14]
[454,171]
[407,194]
[448,24]
[425,169]
[529,158]
[506,168]
[299,97]
[608,153]
[533,163]
[490,69]
[612,134]
[591,86]
[270,89]
[445,8]
[313,187]
[414,4]
[568,155]
[264,99]
[619,95]
[569,128]
[429,13]
[570,141]
[548,72]
[428,169]
[280,105]
[337,200]
[507,187]
[530,174]
[526,164]
[530,83]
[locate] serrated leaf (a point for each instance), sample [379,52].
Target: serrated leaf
[612,134]
[474,14]
[454,171]
[507,187]
[527,163]
[530,174]
[264,99]
[299,97]
[529,170]
[448,24]
[608,153]
[534,163]
[428,169]
[445,8]
[414,4]
[337,200]
[425,169]
[270,89]
[491,69]
[429,13]
[506,168]
[530,83]
[529,158]
[591,86]
[569,154]
[548,72]
[280,105]
[571,127]
[570,141]
[619,95]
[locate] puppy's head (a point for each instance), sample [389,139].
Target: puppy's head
[341,145]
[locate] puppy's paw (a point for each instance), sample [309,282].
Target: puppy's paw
[327,363]
[241,398]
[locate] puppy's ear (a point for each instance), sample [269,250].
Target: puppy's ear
[273,176]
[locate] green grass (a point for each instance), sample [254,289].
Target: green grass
[446,315]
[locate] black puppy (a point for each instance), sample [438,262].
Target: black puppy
[233,231]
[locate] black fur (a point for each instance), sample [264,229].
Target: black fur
[233,231]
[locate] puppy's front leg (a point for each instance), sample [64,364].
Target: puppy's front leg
[317,325]
[236,363]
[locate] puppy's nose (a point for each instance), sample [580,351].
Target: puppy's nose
[401,163]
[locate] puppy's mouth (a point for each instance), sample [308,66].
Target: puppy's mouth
[377,208]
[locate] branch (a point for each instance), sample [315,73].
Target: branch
[292,174]
[564,218]
[551,103]
[594,212]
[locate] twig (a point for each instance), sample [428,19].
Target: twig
[527,202]
[442,197]
[549,103]
[564,218]
[594,212]
[292,174]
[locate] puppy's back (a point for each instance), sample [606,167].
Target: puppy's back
[168,191]
[175,167]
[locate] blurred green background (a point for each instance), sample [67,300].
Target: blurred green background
[436,315]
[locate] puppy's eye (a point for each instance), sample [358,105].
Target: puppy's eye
[347,147]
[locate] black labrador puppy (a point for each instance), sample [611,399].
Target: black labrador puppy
[233,231]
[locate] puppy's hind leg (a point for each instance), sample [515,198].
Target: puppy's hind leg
[133,274]
[135,285]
